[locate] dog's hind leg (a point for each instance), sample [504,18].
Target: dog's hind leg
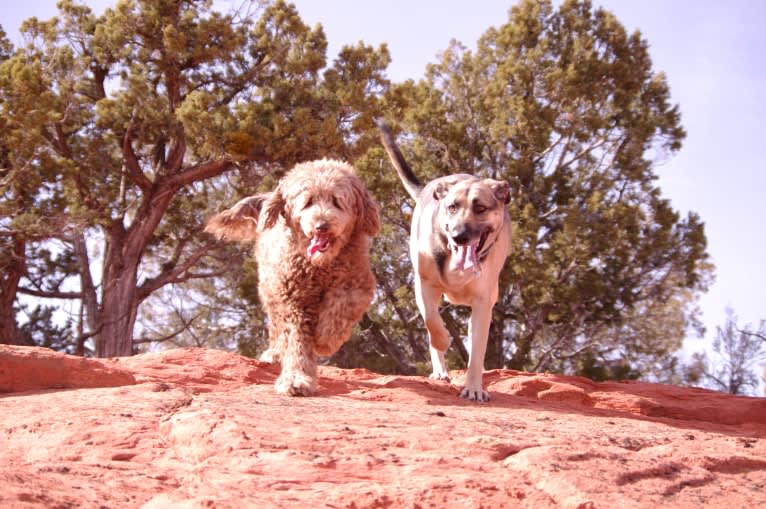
[428,299]
[273,353]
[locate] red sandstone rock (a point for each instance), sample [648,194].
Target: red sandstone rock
[27,369]
[196,428]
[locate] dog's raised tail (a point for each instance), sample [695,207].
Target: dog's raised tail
[407,176]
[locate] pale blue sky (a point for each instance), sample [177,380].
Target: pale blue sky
[712,53]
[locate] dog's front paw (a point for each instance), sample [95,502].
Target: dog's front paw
[295,384]
[439,375]
[475,394]
[325,346]
[331,333]
[270,355]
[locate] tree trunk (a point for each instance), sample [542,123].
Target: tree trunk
[117,315]
[403,366]
[9,284]
[457,338]
[88,288]
[520,358]
[495,358]
[120,295]
[9,331]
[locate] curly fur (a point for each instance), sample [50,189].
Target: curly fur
[312,237]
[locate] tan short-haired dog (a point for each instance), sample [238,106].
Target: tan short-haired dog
[312,237]
[459,240]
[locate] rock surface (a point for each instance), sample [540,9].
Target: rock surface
[196,428]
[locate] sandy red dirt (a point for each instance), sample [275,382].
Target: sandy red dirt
[196,428]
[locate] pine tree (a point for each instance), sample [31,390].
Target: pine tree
[565,106]
[737,354]
[133,112]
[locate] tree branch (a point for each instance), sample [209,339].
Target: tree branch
[132,166]
[176,155]
[457,339]
[184,326]
[173,272]
[50,294]
[753,334]
[198,172]
[386,344]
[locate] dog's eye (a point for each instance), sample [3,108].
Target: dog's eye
[480,209]
[336,203]
[451,209]
[308,203]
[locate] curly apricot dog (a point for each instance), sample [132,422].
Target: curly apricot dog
[312,236]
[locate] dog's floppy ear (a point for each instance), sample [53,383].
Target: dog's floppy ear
[370,219]
[240,222]
[365,208]
[501,189]
[273,207]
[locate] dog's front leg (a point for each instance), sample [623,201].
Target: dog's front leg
[427,299]
[299,363]
[339,311]
[478,331]
[439,364]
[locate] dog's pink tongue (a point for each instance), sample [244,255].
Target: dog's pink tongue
[314,246]
[317,243]
[467,258]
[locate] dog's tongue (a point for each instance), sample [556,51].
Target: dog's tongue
[318,243]
[466,256]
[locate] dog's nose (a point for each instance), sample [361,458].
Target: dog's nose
[461,238]
[322,227]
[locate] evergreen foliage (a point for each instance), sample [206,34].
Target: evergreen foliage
[565,105]
[737,354]
[116,124]
[124,131]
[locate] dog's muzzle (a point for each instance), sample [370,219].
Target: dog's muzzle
[467,250]
[321,240]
